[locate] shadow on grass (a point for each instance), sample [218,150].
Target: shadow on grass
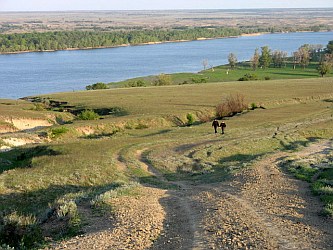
[161,132]
[22,157]
[305,74]
[328,100]
[98,136]
[240,158]
[290,146]
[206,172]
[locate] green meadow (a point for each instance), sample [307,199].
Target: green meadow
[224,73]
[84,159]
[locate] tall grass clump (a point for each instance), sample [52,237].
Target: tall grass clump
[57,132]
[64,211]
[231,105]
[19,231]
[88,114]
[102,201]
[205,115]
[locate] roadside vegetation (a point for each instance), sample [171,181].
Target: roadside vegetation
[318,171]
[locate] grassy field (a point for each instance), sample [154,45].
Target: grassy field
[43,185]
[223,73]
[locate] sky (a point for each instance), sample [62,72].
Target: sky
[63,5]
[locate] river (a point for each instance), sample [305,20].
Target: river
[36,73]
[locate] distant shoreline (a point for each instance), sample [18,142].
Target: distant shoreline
[153,43]
[139,44]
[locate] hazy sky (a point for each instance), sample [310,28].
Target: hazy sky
[43,5]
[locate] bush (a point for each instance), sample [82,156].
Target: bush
[139,83]
[99,85]
[249,77]
[267,78]
[163,79]
[199,80]
[88,115]
[190,119]
[56,132]
[253,106]
[231,105]
[19,231]
[64,210]
[39,107]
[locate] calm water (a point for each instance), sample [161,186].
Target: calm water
[45,72]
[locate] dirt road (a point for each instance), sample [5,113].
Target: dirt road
[260,208]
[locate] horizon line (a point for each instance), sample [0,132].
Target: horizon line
[100,10]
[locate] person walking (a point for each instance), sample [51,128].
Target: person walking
[223,125]
[215,124]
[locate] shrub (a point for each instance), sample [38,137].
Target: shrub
[248,77]
[139,83]
[231,105]
[56,132]
[99,85]
[199,80]
[163,79]
[267,78]
[19,231]
[64,210]
[39,107]
[190,119]
[88,115]
[253,106]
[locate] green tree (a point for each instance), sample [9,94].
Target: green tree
[329,47]
[255,59]
[304,55]
[265,57]
[325,65]
[279,58]
[324,68]
[232,59]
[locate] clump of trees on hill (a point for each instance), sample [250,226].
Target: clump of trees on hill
[98,85]
[302,57]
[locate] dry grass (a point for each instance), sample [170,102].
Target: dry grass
[83,167]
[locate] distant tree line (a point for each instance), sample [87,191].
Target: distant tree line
[302,57]
[61,40]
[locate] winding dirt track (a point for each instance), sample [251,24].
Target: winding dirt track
[261,208]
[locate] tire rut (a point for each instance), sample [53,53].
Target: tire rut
[180,229]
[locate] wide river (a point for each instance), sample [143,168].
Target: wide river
[45,72]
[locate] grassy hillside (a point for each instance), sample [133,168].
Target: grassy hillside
[43,187]
[223,73]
